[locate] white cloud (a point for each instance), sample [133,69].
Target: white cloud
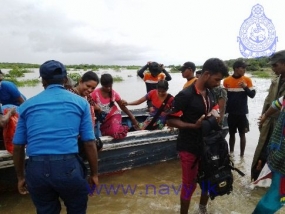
[126,31]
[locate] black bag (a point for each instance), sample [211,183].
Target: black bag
[215,175]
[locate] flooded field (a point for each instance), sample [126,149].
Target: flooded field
[155,189]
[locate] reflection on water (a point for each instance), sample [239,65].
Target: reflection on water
[155,189]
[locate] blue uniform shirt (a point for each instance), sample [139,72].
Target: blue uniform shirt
[51,122]
[9,93]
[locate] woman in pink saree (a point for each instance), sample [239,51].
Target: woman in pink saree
[105,97]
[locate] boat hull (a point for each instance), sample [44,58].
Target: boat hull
[137,149]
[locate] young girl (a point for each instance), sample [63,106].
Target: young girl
[160,105]
[105,97]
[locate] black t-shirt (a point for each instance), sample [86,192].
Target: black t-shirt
[193,106]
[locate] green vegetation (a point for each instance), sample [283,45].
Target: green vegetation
[258,67]
[22,83]
[263,73]
[18,65]
[17,72]
[254,64]
[118,79]
[74,76]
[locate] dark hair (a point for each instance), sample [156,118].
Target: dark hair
[199,72]
[238,64]
[90,75]
[106,80]
[155,68]
[162,84]
[215,66]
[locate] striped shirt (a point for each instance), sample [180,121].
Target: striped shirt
[237,96]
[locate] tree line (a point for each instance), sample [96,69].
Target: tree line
[255,64]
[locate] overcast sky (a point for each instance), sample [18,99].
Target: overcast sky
[127,32]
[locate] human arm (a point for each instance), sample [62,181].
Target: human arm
[221,103]
[167,75]
[136,102]
[127,111]
[19,164]
[20,100]
[91,155]
[92,102]
[5,118]
[142,70]
[267,114]
[15,95]
[178,123]
[222,100]
[248,88]
[275,106]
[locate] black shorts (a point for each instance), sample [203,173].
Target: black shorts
[238,122]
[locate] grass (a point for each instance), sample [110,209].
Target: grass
[262,73]
[174,70]
[74,76]
[22,83]
[118,79]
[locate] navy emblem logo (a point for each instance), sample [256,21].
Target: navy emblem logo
[257,35]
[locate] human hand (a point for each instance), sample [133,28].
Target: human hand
[151,109]
[198,123]
[13,110]
[137,126]
[22,186]
[134,121]
[97,108]
[220,121]
[149,62]
[261,120]
[93,182]
[242,84]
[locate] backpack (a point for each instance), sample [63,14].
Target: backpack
[215,168]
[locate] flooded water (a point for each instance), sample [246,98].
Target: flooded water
[155,189]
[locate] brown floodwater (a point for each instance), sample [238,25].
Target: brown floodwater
[154,189]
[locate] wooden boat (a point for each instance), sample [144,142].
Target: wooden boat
[139,148]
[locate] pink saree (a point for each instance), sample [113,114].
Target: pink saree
[113,127]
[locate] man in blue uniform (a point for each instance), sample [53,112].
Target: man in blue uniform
[49,126]
[9,93]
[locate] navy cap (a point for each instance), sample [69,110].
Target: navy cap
[188,65]
[52,70]
[274,58]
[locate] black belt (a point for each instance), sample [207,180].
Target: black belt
[52,157]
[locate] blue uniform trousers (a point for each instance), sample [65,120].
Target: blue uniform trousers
[50,177]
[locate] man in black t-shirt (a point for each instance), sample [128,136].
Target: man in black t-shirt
[195,102]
